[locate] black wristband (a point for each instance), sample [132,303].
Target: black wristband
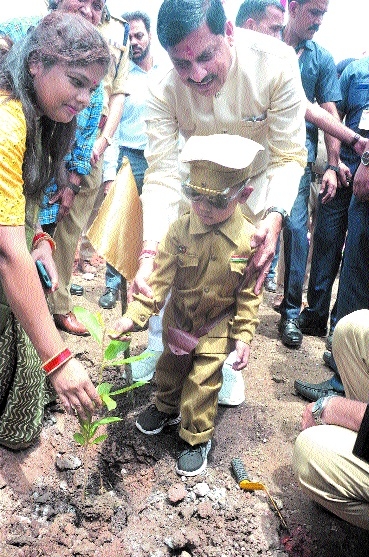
[76,189]
[332,167]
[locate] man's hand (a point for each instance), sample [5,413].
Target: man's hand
[264,241]
[345,176]
[65,196]
[120,328]
[243,353]
[98,149]
[307,417]
[361,183]
[139,284]
[329,185]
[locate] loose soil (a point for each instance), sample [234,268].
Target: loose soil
[135,505]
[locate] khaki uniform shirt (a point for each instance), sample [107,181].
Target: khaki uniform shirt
[114,32]
[262,99]
[203,265]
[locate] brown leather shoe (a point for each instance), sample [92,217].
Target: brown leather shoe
[70,324]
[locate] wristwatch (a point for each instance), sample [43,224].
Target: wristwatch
[365,158]
[318,408]
[279,210]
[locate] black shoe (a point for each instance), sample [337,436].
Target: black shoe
[311,327]
[109,299]
[193,460]
[151,421]
[329,360]
[290,332]
[76,290]
[312,391]
[270,285]
[328,342]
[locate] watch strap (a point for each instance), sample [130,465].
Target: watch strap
[279,210]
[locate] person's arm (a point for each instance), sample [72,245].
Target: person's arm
[287,160]
[338,411]
[330,177]
[161,194]
[24,293]
[323,120]
[116,105]
[361,180]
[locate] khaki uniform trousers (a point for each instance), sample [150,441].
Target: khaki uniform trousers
[190,384]
[67,235]
[327,470]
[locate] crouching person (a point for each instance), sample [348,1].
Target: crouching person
[212,308]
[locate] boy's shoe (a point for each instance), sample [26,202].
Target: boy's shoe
[143,370]
[193,459]
[151,421]
[232,392]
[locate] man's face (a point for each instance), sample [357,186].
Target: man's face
[306,19]
[139,39]
[203,59]
[89,9]
[272,22]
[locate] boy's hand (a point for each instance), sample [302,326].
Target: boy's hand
[243,353]
[122,326]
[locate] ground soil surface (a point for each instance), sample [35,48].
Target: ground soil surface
[134,504]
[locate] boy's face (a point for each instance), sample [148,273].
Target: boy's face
[211,215]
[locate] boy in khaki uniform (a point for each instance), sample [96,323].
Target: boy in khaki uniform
[202,260]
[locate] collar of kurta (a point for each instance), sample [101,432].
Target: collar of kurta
[230,228]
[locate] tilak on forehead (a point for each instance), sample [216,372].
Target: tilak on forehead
[189,51]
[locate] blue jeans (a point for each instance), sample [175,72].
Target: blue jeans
[353,288]
[138,164]
[329,239]
[296,249]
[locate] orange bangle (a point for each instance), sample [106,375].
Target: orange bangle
[57,361]
[40,237]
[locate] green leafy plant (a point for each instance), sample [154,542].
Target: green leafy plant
[115,353]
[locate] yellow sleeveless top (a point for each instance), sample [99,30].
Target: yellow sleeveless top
[12,149]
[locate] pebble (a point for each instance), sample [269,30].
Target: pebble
[201,489]
[68,462]
[177,493]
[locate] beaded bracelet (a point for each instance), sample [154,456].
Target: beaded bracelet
[146,253]
[43,236]
[57,361]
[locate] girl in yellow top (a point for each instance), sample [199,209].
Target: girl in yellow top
[45,80]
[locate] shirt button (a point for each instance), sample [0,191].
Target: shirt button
[216,232]
[213,257]
[206,289]
[142,318]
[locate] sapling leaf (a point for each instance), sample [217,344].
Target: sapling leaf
[78,437]
[122,361]
[128,388]
[108,420]
[92,322]
[109,402]
[99,439]
[104,388]
[114,348]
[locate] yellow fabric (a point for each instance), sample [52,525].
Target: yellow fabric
[116,232]
[202,266]
[262,99]
[12,149]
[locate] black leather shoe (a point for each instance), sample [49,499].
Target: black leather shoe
[312,391]
[328,342]
[76,290]
[109,299]
[311,327]
[290,332]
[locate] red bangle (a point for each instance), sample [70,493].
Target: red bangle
[57,361]
[40,237]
